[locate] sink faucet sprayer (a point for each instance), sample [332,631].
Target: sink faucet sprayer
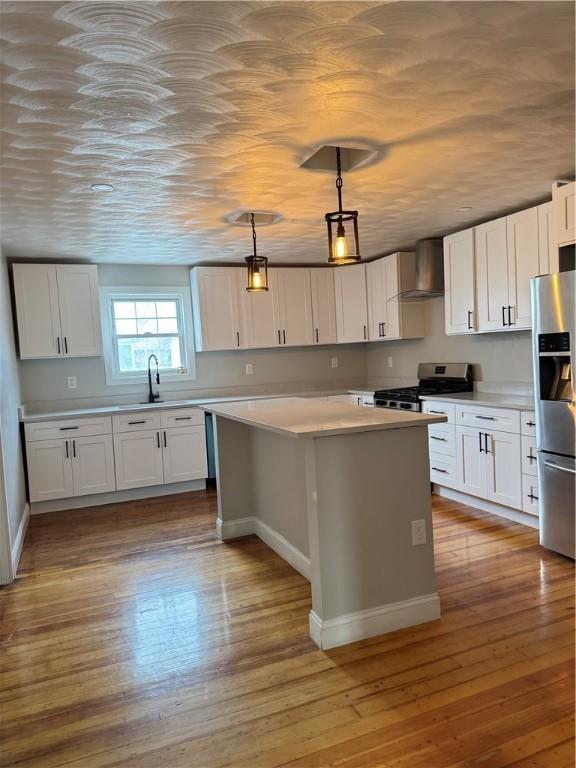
[153,396]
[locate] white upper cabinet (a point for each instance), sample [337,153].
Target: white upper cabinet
[216,299]
[57,310]
[564,204]
[523,264]
[323,306]
[376,294]
[292,299]
[388,316]
[351,304]
[259,318]
[460,283]
[492,275]
[547,246]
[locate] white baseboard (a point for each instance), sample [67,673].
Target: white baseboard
[375,621]
[246,526]
[98,499]
[18,543]
[516,515]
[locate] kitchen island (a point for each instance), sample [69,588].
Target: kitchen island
[343,494]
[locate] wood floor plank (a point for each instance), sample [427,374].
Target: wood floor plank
[133,637]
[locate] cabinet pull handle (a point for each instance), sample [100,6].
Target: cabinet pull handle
[58,342]
[158,439]
[470,326]
[279,338]
[237,338]
[530,423]
[364,331]
[384,329]
[437,469]
[480,442]
[316,329]
[380,330]
[67,450]
[182,418]
[165,443]
[504,316]
[487,418]
[530,457]
[435,437]
[284,336]
[486,442]
[74,448]
[67,429]
[440,413]
[532,497]
[65,344]
[143,421]
[509,316]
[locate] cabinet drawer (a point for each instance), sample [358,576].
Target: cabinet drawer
[53,430]
[443,470]
[135,422]
[440,409]
[442,439]
[529,456]
[530,502]
[182,417]
[528,423]
[501,419]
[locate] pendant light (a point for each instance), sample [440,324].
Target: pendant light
[342,249]
[257,266]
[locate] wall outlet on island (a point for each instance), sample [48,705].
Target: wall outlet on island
[418,532]
[71,382]
[249,368]
[333,362]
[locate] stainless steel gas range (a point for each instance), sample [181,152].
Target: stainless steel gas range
[433,379]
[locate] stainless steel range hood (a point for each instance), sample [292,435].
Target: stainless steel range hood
[429,271]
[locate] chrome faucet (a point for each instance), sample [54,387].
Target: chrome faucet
[153,396]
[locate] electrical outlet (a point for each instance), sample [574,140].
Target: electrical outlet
[249,368]
[71,382]
[418,532]
[390,361]
[333,362]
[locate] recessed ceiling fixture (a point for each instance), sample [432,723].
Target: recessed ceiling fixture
[102,187]
[341,250]
[257,266]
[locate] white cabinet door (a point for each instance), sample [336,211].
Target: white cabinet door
[460,281]
[492,275]
[548,262]
[564,202]
[351,305]
[215,293]
[392,328]
[376,297]
[93,465]
[79,309]
[138,459]
[503,469]
[293,305]
[469,453]
[50,469]
[258,318]
[523,264]
[323,305]
[36,295]
[184,452]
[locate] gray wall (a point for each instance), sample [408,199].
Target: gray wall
[44,382]
[500,359]
[12,489]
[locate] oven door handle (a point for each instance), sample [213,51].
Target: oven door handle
[559,468]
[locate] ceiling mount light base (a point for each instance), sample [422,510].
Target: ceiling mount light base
[261,218]
[323,159]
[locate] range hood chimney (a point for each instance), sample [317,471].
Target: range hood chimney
[429,278]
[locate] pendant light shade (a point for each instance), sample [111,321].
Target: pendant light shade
[257,266]
[343,247]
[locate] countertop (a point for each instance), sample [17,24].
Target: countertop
[490,399]
[304,417]
[111,410]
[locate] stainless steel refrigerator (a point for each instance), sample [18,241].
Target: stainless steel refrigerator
[554,339]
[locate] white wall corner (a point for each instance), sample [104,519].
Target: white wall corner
[376,621]
[18,542]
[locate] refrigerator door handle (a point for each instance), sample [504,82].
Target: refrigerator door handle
[559,468]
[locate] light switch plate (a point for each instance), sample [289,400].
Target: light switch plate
[71,382]
[418,532]
[390,361]
[249,368]
[334,362]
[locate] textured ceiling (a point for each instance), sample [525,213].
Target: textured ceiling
[195,109]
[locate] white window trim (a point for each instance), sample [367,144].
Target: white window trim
[113,376]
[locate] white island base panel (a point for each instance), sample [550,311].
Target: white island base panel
[339,508]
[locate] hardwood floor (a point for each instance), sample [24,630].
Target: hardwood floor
[133,637]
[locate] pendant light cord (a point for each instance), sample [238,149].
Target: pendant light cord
[253,232]
[339,178]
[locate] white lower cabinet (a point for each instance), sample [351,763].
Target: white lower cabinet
[184,454]
[530,494]
[93,465]
[138,459]
[471,471]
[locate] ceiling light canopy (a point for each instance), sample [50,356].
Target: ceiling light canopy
[102,187]
[257,266]
[342,249]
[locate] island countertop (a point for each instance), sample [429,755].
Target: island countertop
[303,417]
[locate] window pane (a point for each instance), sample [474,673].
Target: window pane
[125,327]
[145,309]
[124,309]
[147,326]
[167,325]
[166,308]
[133,353]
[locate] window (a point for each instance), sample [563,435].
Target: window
[140,322]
